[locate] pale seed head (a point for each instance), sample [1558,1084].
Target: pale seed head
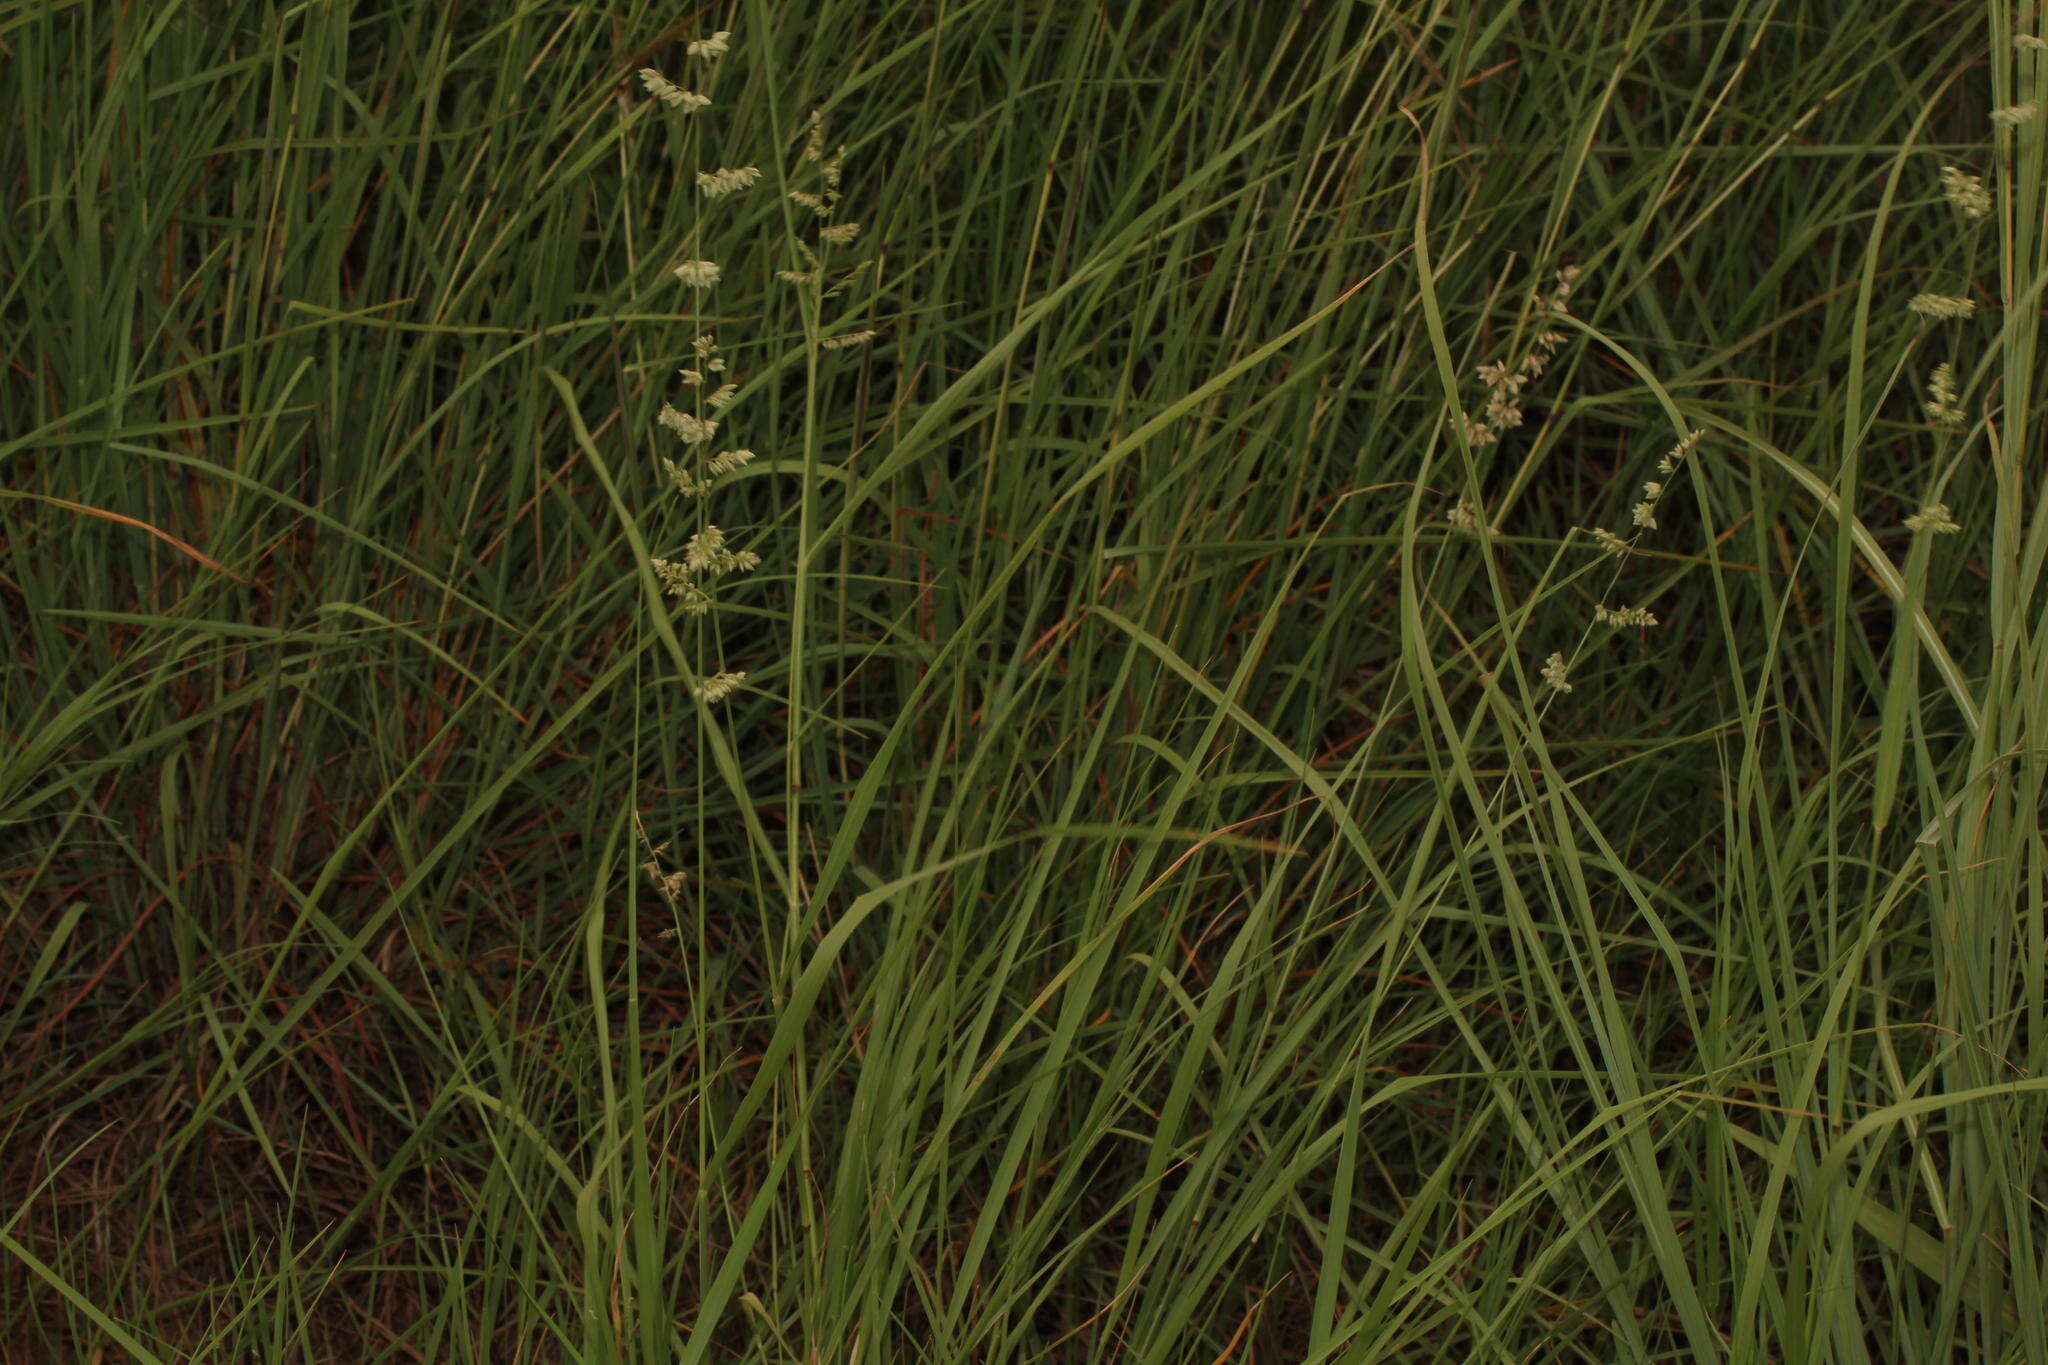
[1554,673]
[1934,518]
[698,274]
[1942,306]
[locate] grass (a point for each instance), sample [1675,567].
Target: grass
[1145,902]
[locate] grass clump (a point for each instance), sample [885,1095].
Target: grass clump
[1022,682]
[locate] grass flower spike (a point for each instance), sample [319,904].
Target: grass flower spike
[682,480]
[1643,516]
[1639,617]
[669,93]
[1676,456]
[713,47]
[1465,517]
[813,266]
[727,461]
[718,687]
[1966,192]
[720,183]
[1608,541]
[1504,383]
[1935,518]
[692,429]
[1942,306]
[1942,406]
[707,555]
[1554,673]
[847,339]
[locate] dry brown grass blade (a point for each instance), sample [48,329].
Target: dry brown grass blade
[165,536]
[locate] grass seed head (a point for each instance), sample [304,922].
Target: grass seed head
[727,461]
[1554,673]
[1935,518]
[1965,192]
[669,93]
[848,339]
[1465,517]
[1640,617]
[1608,541]
[727,180]
[1943,406]
[1942,306]
[698,274]
[692,429]
[718,687]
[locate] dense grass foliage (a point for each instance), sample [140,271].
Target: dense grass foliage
[1149,900]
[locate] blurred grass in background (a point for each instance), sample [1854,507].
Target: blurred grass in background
[1146,903]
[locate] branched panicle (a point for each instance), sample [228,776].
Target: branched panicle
[708,559]
[823,173]
[1644,513]
[706,556]
[1502,409]
[1504,382]
[1643,516]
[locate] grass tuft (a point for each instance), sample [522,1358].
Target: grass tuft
[1023,682]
